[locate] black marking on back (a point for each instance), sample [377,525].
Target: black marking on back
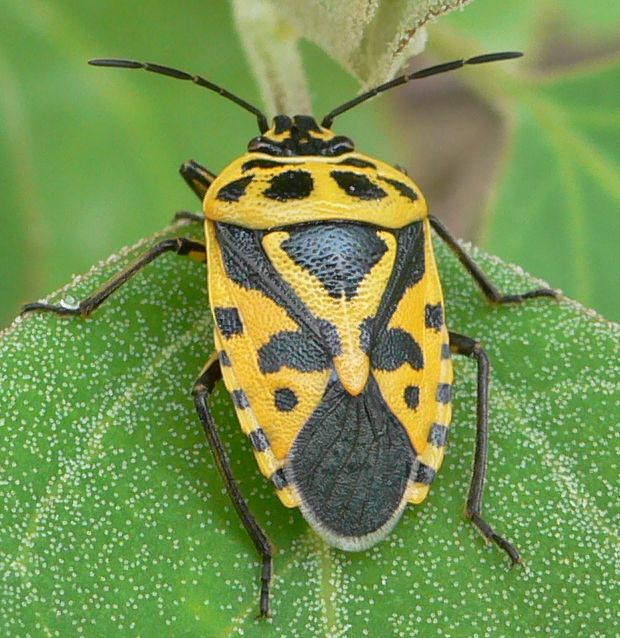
[444,393]
[331,338]
[446,353]
[367,331]
[351,462]
[247,265]
[285,399]
[357,185]
[433,316]
[260,163]
[278,478]
[423,474]
[224,359]
[294,184]
[296,350]
[394,348]
[233,191]
[259,439]
[338,255]
[408,270]
[412,396]
[403,189]
[240,399]
[228,321]
[438,435]
[357,162]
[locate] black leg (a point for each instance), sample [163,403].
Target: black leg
[179,245]
[202,388]
[460,344]
[197,177]
[199,218]
[485,284]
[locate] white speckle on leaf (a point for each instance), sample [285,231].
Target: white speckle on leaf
[116,520]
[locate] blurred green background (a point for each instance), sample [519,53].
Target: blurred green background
[524,160]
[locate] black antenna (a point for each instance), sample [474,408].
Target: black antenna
[423,73]
[181,75]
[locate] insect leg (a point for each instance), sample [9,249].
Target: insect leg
[202,388]
[197,177]
[461,344]
[489,290]
[179,245]
[198,218]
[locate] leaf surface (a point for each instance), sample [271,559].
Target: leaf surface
[116,521]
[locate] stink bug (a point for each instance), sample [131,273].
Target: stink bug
[330,328]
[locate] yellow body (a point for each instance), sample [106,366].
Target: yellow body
[246,206]
[326,203]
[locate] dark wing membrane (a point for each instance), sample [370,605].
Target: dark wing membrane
[350,464]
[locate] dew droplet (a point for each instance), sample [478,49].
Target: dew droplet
[69,302]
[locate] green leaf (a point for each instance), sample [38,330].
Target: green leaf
[553,204]
[564,182]
[115,520]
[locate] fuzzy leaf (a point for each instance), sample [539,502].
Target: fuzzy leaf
[115,521]
[369,38]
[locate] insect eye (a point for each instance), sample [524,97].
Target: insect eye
[264,145]
[340,145]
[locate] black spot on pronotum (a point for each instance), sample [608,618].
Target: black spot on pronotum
[260,163]
[438,435]
[444,393]
[403,189]
[445,351]
[357,185]
[412,396]
[423,474]
[259,440]
[224,359]
[240,399]
[228,321]
[278,478]
[287,185]
[285,399]
[355,161]
[233,191]
[433,316]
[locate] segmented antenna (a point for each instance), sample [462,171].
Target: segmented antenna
[182,75]
[423,73]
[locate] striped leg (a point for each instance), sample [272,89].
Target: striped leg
[178,245]
[203,387]
[197,218]
[473,508]
[197,177]
[487,287]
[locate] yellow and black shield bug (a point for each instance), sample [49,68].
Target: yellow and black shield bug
[330,327]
